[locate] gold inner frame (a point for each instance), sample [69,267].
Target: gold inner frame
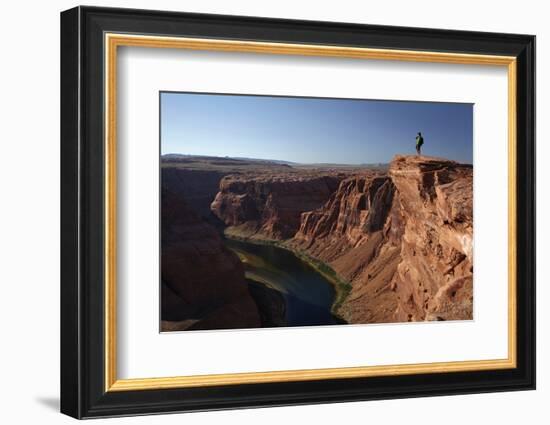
[113,41]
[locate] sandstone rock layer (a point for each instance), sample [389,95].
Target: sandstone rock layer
[270,206]
[435,276]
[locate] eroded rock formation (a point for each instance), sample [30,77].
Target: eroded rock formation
[435,275]
[270,206]
[203,284]
[357,233]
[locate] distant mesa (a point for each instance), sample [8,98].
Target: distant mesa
[174,158]
[183,158]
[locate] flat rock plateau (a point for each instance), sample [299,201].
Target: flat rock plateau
[400,236]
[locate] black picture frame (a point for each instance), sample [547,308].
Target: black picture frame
[83,392]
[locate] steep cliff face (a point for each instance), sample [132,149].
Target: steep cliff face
[403,238]
[197,187]
[435,275]
[203,284]
[358,207]
[357,233]
[270,206]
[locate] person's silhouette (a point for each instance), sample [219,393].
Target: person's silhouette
[419,143]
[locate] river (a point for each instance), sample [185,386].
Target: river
[308,294]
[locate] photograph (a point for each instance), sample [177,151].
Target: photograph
[285,211]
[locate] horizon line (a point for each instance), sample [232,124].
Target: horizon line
[305,163]
[271,159]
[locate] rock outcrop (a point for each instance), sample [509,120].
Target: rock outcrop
[269,206]
[434,278]
[203,283]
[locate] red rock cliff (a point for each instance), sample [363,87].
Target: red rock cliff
[434,278]
[270,206]
[357,233]
[203,285]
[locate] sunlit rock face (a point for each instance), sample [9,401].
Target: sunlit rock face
[269,206]
[434,278]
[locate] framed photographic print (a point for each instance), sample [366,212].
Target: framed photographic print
[261,212]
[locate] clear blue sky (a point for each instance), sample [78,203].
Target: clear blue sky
[312,130]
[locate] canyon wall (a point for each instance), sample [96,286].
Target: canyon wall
[269,206]
[435,276]
[197,187]
[202,282]
[357,232]
[402,238]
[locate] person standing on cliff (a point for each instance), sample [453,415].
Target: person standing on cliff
[419,143]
